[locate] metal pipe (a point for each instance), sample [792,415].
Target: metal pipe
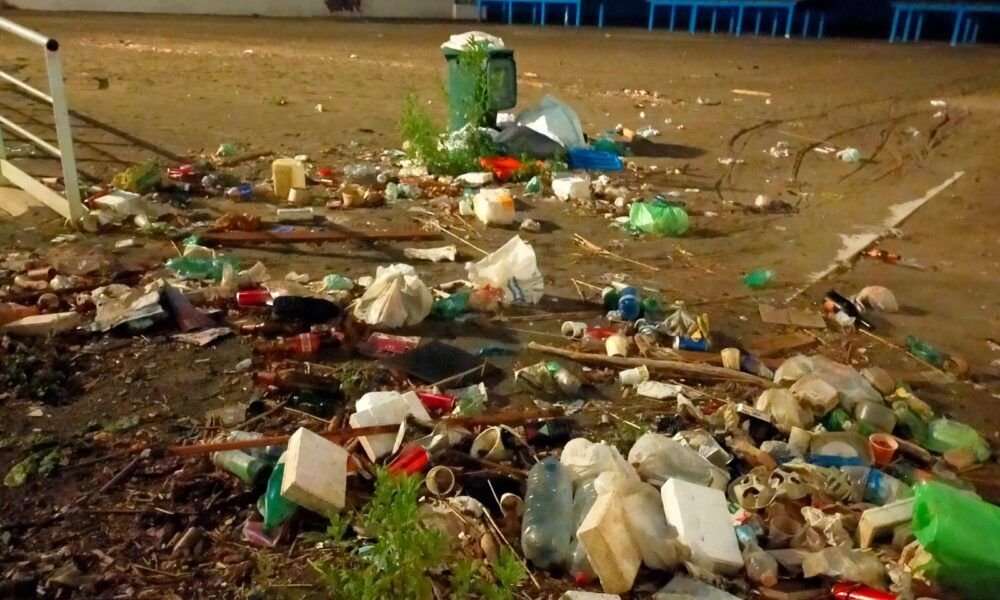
[21,131]
[37,93]
[29,34]
[64,135]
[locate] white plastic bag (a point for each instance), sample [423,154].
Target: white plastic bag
[397,297]
[658,458]
[556,120]
[587,460]
[785,410]
[514,269]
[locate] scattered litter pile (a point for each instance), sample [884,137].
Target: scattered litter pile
[383,465]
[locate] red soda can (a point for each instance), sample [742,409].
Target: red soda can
[412,459]
[857,591]
[253,297]
[441,403]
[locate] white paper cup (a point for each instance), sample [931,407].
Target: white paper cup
[616,345]
[731,358]
[634,376]
[489,445]
[440,480]
[574,329]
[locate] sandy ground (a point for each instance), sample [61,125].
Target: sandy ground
[180,86]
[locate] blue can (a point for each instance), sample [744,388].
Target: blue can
[686,343]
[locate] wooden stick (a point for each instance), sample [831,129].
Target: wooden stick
[302,236]
[592,247]
[345,434]
[673,367]
[262,415]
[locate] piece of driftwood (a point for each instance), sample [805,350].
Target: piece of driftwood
[311,237]
[672,367]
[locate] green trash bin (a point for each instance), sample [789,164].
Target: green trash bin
[501,83]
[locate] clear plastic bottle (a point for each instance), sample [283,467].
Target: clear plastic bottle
[547,525]
[761,566]
[579,565]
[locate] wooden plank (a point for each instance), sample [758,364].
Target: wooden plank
[51,198]
[307,237]
[17,201]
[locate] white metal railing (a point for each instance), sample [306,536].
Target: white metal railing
[67,204]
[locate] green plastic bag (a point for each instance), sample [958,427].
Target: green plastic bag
[962,533]
[654,217]
[944,435]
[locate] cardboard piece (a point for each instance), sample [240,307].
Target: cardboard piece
[790,316]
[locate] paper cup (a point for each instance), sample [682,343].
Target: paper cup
[634,376]
[616,345]
[440,480]
[731,358]
[489,445]
[298,196]
[574,329]
[883,448]
[511,504]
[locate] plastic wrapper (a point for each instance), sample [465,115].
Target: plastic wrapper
[877,297]
[396,298]
[556,120]
[962,533]
[658,458]
[785,409]
[850,385]
[846,564]
[513,268]
[944,435]
[587,460]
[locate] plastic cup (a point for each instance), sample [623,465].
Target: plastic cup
[883,448]
[489,445]
[574,329]
[780,532]
[731,358]
[616,345]
[634,376]
[440,480]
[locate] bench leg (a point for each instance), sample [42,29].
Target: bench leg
[805,23]
[774,23]
[975,33]
[920,26]
[600,15]
[906,26]
[788,23]
[959,17]
[732,22]
[510,13]
[968,27]
[673,16]
[652,9]
[739,21]
[578,4]
[694,19]
[895,25]
[714,11]
[756,27]
[822,25]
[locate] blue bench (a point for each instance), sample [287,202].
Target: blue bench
[964,19]
[736,10]
[508,5]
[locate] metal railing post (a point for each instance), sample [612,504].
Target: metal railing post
[64,135]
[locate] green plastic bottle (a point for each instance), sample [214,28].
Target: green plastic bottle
[908,424]
[924,351]
[272,505]
[201,268]
[253,471]
[836,420]
[758,278]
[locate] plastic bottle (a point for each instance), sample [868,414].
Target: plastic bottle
[547,525]
[291,380]
[882,488]
[758,278]
[304,308]
[609,298]
[629,304]
[11,311]
[272,505]
[924,351]
[909,425]
[837,419]
[300,345]
[579,565]
[879,416]
[201,268]
[270,328]
[253,471]
[761,566]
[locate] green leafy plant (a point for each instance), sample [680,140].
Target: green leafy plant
[395,555]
